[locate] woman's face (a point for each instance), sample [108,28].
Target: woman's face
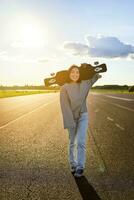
[74,74]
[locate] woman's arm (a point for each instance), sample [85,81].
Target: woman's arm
[95,78]
[67,114]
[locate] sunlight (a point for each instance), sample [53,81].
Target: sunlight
[29,33]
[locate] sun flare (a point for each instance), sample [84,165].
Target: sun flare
[29,33]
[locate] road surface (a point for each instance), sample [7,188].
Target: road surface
[33,149]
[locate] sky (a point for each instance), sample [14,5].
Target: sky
[39,37]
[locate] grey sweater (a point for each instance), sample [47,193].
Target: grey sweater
[73,100]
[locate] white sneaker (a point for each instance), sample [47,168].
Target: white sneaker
[73,169]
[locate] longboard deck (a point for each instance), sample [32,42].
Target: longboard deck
[87,71]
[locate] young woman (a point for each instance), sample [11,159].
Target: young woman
[75,117]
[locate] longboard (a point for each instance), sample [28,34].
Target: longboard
[87,71]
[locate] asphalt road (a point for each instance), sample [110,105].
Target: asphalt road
[33,149]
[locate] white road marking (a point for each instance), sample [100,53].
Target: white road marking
[132,110]
[120,127]
[22,116]
[110,119]
[125,99]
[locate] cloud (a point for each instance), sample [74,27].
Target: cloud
[130,56]
[16,58]
[43,60]
[3,53]
[27,44]
[76,48]
[100,46]
[5,57]
[48,59]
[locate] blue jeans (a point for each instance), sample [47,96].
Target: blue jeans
[77,142]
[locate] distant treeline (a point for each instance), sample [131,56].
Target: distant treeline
[29,87]
[56,87]
[113,87]
[116,87]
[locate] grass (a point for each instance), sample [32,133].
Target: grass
[12,93]
[111,91]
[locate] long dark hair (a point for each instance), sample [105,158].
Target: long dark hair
[69,71]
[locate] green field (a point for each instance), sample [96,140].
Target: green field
[112,91]
[12,93]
